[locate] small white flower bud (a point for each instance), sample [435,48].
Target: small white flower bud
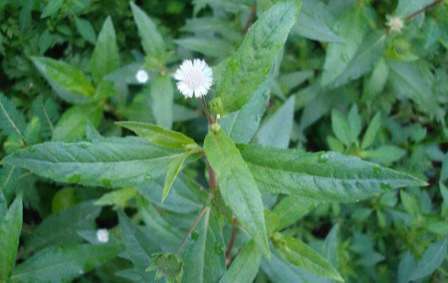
[142,76]
[395,24]
[102,235]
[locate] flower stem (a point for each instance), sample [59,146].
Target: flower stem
[422,10]
[231,242]
[193,226]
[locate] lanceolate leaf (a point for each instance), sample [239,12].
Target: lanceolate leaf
[10,228]
[203,258]
[321,176]
[67,81]
[105,57]
[239,76]
[431,260]
[62,264]
[245,266]
[113,162]
[303,256]
[162,100]
[12,121]
[152,41]
[159,136]
[237,186]
[174,169]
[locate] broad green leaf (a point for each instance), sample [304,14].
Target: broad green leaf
[62,264]
[86,30]
[324,176]
[237,186]
[105,57]
[173,170]
[276,131]
[414,81]
[431,260]
[47,110]
[407,7]
[162,94]
[239,76]
[301,255]
[66,80]
[315,22]
[118,198]
[137,247]
[203,257]
[245,266]
[52,8]
[242,125]
[371,132]
[72,124]
[152,40]
[12,122]
[159,136]
[10,229]
[62,228]
[288,211]
[341,127]
[356,54]
[114,162]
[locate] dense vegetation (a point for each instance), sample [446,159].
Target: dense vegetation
[320,153]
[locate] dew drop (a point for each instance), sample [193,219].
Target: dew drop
[323,158]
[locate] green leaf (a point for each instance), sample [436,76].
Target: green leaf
[152,40]
[414,81]
[276,131]
[86,30]
[324,176]
[47,110]
[10,228]
[288,211]
[12,122]
[67,81]
[431,260]
[117,198]
[356,54]
[105,57]
[162,94]
[237,186]
[245,266]
[242,125]
[341,127]
[301,255]
[52,8]
[137,247]
[239,76]
[203,257]
[159,136]
[371,132]
[354,120]
[72,125]
[62,228]
[174,169]
[315,22]
[62,264]
[114,162]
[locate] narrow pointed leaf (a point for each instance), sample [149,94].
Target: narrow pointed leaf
[174,169]
[245,266]
[239,76]
[237,186]
[325,176]
[12,122]
[105,57]
[114,162]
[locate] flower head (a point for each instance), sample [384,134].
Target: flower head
[102,235]
[395,24]
[194,78]
[142,76]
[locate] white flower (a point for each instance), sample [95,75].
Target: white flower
[102,235]
[395,24]
[142,76]
[194,78]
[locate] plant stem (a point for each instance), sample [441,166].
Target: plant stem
[193,226]
[210,118]
[251,19]
[231,242]
[422,10]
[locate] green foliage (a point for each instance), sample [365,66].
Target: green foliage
[319,153]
